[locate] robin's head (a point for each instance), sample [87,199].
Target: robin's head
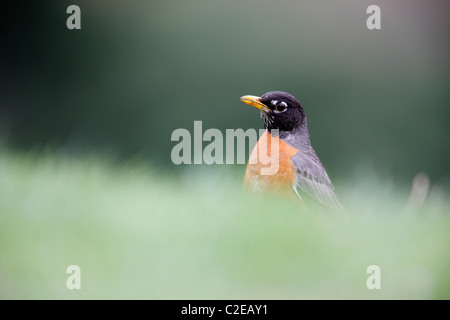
[280,110]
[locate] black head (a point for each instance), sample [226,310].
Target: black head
[280,110]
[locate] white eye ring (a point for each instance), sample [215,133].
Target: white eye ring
[281,107]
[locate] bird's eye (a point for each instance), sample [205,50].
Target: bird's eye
[281,107]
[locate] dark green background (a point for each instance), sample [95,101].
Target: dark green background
[138,70]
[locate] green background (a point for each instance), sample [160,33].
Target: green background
[86,177]
[139,70]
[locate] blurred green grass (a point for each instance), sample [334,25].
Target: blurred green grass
[137,232]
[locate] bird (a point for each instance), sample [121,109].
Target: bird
[298,165]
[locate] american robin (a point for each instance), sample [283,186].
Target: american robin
[297,163]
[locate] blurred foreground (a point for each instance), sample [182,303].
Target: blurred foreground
[138,233]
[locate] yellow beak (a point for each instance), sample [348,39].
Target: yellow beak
[254,101]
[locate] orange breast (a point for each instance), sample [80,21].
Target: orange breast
[269,165]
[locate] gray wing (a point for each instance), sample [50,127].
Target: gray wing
[312,179]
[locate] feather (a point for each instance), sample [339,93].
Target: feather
[312,179]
